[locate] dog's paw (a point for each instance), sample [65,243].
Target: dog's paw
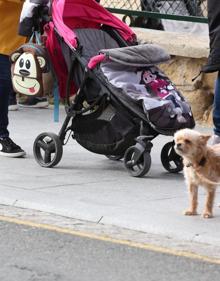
[207,215]
[190,213]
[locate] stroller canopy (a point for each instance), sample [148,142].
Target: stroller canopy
[74,14]
[137,56]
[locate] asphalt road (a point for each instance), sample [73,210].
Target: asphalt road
[31,253]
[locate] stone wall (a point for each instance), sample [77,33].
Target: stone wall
[188,54]
[199,93]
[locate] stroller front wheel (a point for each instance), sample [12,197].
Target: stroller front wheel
[137,168]
[48,150]
[171,161]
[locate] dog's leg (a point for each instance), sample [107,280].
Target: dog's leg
[193,194]
[209,203]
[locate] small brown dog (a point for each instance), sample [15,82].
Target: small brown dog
[201,167]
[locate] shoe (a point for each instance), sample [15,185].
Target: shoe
[13,105]
[35,102]
[9,149]
[215,139]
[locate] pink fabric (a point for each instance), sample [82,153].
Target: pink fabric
[70,14]
[95,60]
[57,60]
[63,29]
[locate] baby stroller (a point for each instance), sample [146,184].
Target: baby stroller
[123,100]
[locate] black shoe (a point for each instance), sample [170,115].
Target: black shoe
[9,149]
[35,102]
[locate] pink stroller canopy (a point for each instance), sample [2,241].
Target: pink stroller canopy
[72,14]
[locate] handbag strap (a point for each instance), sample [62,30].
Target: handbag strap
[35,38]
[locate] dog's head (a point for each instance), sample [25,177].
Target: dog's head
[190,143]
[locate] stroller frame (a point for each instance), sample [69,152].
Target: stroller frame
[48,147]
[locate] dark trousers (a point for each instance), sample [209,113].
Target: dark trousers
[5,90]
[213,63]
[214,57]
[216,106]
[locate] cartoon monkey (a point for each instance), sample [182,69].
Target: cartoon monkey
[29,63]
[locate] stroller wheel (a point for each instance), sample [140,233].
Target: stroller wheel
[48,150]
[142,166]
[171,161]
[114,157]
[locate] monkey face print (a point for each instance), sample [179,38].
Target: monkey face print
[28,66]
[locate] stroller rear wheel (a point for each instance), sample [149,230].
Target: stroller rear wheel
[171,161]
[137,168]
[48,150]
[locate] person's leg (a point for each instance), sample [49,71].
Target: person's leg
[216,106]
[216,112]
[4,96]
[213,63]
[7,146]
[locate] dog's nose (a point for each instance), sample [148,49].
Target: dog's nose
[178,145]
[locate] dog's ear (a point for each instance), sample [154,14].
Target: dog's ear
[204,138]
